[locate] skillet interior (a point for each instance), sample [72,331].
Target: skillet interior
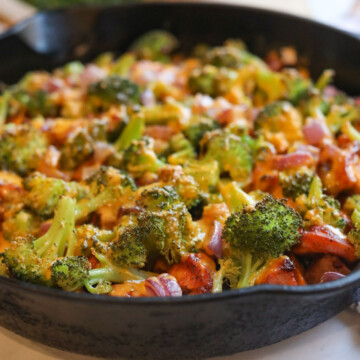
[192,327]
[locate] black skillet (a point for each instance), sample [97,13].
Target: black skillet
[178,328]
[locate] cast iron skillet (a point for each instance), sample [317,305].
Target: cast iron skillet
[177,328]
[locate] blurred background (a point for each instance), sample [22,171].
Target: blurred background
[341,13]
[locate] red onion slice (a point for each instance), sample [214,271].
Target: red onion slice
[101,151]
[53,84]
[214,246]
[330,91]
[91,74]
[163,285]
[293,160]
[148,98]
[171,285]
[315,132]
[44,227]
[331,276]
[154,287]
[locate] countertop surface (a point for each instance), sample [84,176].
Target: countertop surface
[336,339]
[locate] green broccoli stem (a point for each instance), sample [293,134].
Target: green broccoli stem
[116,275]
[60,234]
[324,80]
[112,274]
[162,114]
[182,156]
[355,218]
[249,270]
[350,131]
[219,277]
[315,191]
[123,64]
[4,104]
[3,270]
[158,164]
[133,131]
[235,197]
[88,205]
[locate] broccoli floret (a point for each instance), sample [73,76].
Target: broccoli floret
[234,197]
[294,185]
[205,173]
[340,115]
[109,177]
[3,269]
[78,148]
[24,264]
[107,186]
[211,80]
[198,127]
[100,279]
[354,234]
[317,208]
[155,45]
[352,203]
[225,56]
[257,233]
[314,105]
[188,189]
[170,233]
[171,113]
[114,90]
[21,148]
[70,273]
[140,157]
[280,124]
[128,248]
[90,237]
[43,193]
[297,87]
[156,198]
[270,86]
[165,225]
[354,238]
[31,259]
[232,152]
[181,150]
[232,54]
[73,68]
[35,103]
[23,223]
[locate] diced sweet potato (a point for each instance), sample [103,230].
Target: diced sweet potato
[325,264]
[325,240]
[280,271]
[339,169]
[129,289]
[194,273]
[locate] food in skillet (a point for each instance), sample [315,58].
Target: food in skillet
[155,174]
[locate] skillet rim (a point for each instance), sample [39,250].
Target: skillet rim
[343,284]
[329,287]
[13,30]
